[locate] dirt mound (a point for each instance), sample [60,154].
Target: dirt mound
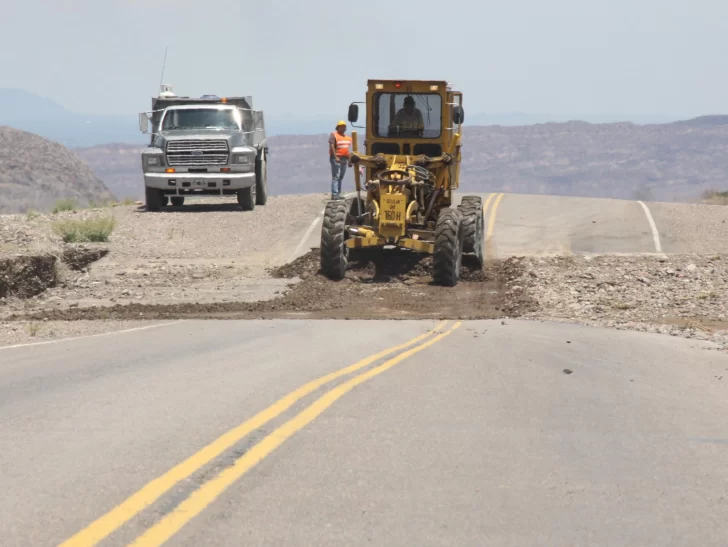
[79,257]
[390,285]
[380,266]
[35,173]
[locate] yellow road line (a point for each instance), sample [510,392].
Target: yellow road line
[491,222]
[209,491]
[148,494]
[487,204]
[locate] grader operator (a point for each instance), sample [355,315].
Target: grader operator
[412,166]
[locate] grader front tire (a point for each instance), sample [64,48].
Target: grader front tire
[334,253]
[448,248]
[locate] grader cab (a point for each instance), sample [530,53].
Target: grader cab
[412,165]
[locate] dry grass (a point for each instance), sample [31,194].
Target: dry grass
[64,205]
[714,197]
[87,230]
[33,329]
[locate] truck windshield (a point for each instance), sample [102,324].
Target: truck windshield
[408,115]
[202,118]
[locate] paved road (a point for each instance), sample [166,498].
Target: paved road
[541,225]
[475,436]
[559,225]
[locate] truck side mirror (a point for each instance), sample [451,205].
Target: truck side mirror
[458,115]
[143,123]
[353,113]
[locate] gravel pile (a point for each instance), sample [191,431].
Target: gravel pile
[681,295]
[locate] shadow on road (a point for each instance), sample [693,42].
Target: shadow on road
[197,208]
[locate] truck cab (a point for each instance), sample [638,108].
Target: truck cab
[204,146]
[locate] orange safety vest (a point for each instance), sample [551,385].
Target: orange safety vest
[342,144]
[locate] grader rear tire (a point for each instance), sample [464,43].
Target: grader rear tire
[473,226]
[448,248]
[334,253]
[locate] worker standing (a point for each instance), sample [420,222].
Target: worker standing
[339,151]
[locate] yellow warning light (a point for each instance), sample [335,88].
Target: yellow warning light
[378,86]
[434,87]
[223,100]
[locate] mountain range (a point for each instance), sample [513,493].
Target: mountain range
[653,161]
[42,116]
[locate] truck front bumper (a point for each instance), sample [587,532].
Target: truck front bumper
[208,183]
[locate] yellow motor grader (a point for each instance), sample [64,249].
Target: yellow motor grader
[412,165]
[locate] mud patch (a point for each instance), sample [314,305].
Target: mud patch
[390,285]
[26,276]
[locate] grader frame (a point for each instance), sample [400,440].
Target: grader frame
[412,166]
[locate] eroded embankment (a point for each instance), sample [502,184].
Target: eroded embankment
[28,275]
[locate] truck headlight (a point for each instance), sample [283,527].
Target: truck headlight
[152,160]
[241,158]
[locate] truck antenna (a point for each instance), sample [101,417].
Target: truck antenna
[164,64]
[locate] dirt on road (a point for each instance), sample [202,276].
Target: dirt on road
[390,285]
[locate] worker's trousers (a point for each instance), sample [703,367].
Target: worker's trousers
[338,170]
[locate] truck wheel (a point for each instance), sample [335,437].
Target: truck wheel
[153,199]
[334,252]
[246,198]
[261,181]
[448,248]
[473,226]
[165,200]
[178,201]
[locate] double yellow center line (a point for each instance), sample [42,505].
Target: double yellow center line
[203,496]
[489,248]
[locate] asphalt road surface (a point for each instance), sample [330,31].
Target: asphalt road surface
[480,433]
[542,225]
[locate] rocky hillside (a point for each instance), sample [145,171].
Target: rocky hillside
[676,161]
[35,173]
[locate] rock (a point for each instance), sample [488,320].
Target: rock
[691,268]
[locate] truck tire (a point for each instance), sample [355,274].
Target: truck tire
[246,198]
[473,226]
[178,201]
[334,252]
[153,199]
[448,248]
[261,180]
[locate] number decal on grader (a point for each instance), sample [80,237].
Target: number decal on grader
[412,167]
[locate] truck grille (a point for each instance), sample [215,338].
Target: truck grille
[197,152]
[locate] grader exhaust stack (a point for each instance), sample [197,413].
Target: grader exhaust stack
[412,166]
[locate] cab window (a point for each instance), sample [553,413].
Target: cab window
[399,115]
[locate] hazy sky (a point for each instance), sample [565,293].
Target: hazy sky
[314,56]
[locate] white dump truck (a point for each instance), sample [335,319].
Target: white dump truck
[204,146]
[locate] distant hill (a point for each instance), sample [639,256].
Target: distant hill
[23,110]
[35,173]
[671,161]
